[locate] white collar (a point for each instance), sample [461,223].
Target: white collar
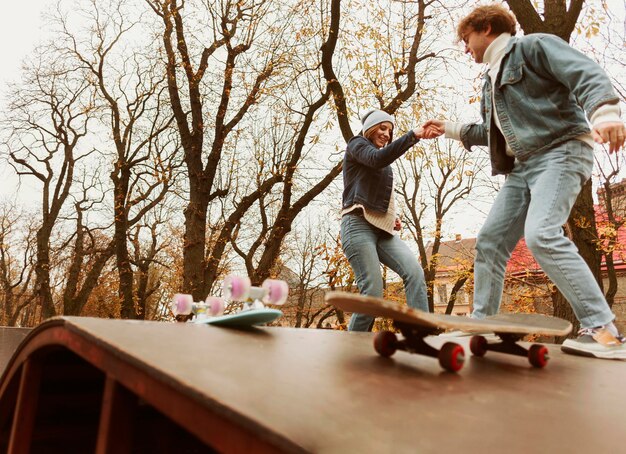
[495,50]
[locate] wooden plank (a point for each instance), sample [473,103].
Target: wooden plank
[26,407]
[117,418]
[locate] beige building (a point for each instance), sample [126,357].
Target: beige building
[454,262]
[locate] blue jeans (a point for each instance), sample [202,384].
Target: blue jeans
[535,202]
[366,247]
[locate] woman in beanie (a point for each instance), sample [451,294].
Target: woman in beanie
[369,220]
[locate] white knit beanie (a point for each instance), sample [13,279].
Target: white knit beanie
[373,117]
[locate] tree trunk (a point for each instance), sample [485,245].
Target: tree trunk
[42,270]
[453,294]
[121,178]
[194,245]
[74,302]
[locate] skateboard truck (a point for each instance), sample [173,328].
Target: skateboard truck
[234,288]
[451,356]
[537,354]
[183,304]
[239,288]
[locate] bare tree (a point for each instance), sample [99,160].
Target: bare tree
[234,26]
[280,190]
[391,90]
[131,101]
[303,252]
[89,249]
[435,179]
[17,263]
[148,244]
[50,113]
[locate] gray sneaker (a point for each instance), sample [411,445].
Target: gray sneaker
[598,343]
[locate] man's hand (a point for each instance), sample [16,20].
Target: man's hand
[612,132]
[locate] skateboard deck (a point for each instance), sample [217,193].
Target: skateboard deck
[250,303]
[245,318]
[415,325]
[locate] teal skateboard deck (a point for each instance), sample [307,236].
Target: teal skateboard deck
[244,318]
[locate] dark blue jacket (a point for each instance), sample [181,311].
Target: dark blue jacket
[367,174]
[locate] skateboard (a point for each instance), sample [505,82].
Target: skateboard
[241,304]
[415,325]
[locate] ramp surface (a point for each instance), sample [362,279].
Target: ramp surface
[194,388]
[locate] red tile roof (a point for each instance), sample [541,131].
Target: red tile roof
[522,260]
[456,253]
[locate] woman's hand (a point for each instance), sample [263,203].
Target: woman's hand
[419,133]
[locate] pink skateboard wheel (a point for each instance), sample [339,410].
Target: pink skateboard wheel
[236,288]
[276,291]
[182,304]
[215,304]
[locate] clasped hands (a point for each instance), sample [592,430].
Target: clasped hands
[430,130]
[611,132]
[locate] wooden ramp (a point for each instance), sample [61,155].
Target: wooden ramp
[94,385]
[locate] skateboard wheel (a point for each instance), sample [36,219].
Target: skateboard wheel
[236,288]
[276,291]
[451,357]
[182,304]
[215,305]
[538,355]
[478,345]
[385,343]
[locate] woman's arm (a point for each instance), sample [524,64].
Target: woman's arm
[364,152]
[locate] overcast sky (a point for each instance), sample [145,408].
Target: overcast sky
[20,31]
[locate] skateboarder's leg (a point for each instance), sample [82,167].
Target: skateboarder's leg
[555,179]
[495,243]
[358,240]
[394,253]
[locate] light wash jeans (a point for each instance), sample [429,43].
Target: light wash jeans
[366,247]
[535,201]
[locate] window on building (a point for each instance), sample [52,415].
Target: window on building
[442,293]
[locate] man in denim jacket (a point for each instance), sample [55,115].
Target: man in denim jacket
[537,95]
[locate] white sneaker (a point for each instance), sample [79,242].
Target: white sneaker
[598,343]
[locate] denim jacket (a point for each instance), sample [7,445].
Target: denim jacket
[367,173]
[542,91]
